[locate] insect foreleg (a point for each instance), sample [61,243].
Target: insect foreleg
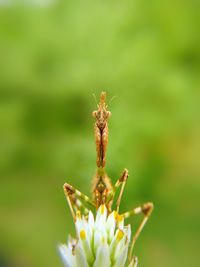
[75,205]
[73,197]
[146,209]
[120,182]
[104,144]
[79,206]
[70,203]
[97,134]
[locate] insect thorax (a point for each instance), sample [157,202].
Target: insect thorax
[101,187]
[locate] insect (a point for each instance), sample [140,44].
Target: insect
[103,192]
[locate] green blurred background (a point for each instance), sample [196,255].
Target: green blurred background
[53,56]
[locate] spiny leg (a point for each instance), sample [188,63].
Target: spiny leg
[70,203]
[146,209]
[79,206]
[120,182]
[97,135]
[72,196]
[78,194]
[76,205]
[104,140]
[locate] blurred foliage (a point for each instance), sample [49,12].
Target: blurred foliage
[53,57]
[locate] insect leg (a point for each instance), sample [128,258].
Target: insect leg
[73,197]
[120,182]
[146,209]
[79,206]
[97,135]
[69,198]
[104,144]
[75,204]
[69,190]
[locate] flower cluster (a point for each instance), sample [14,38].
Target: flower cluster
[101,242]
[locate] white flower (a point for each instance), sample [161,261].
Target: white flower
[100,242]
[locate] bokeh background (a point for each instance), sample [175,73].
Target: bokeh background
[53,56]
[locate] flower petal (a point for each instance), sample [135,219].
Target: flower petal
[66,255]
[91,219]
[127,230]
[102,256]
[80,257]
[99,237]
[90,225]
[85,244]
[121,260]
[110,225]
[120,221]
[101,214]
[116,241]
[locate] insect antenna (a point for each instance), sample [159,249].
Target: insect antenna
[112,98]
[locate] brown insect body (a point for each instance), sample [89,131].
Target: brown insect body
[101,130]
[101,182]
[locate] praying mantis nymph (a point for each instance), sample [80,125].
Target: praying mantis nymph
[103,192]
